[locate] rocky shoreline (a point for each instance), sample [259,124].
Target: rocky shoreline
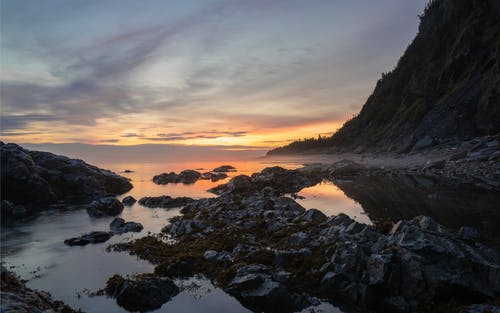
[265,249]
[16,297]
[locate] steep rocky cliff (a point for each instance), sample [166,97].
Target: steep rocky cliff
[445,87]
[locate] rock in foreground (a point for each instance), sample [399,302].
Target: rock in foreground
[142,294]
[16,297]
[92,237]
[129,200]
[266,249]
[30,177]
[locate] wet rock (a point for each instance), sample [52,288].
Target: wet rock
[314,216]
[185,177]
[30,177]
[165,202]
[108,206]
[237,184]
[298,239]
[468,232]
[119,226]
[439,164]
[179,269]
[143,294]
[213,176]
[92,237]
[224,169]
[129,200]
[10,211]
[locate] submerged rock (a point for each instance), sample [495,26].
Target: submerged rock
[129,200]
[30,177]
[108,206]
[92,237]
[142,294]
[165,202]
[118,225]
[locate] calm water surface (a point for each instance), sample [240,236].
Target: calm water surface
[36,252]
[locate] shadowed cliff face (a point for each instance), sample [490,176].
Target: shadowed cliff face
[445,87]
[448,202]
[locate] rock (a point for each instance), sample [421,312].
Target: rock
[10,211]
[314,216]
[165,202]
[210,255]
[16,297]
[108,206]
[119,226]
[237,184]
[185,177]
[423,143]
[128,171]
[224,169]
[439,164]
[30,177]
[213,176]
[298,239]
[468,232]
[179,269]
[129,200]
[143,294]
[345,168]
[92,237]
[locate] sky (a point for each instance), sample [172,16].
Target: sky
[249,73]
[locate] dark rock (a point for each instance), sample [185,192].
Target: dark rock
[92,237]
[10,211]
[129,200]
[314,216]
[166,202]
[144,294]
[345,168]
[237,184]
[224,169]
[213,176]
[30,177]
[185,177]
[16,297]
[118,225]
[468,232]
[423,143]
[108,206]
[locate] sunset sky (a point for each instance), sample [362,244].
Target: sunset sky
[238,72]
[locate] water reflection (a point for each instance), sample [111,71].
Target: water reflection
[331,200]
[449,202]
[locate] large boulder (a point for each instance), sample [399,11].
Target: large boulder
[92,237]
[30,177]
[107,206]
[144,294]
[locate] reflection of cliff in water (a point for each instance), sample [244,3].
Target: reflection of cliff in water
[448,202]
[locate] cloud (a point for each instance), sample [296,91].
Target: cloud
[14,122]
[130,135]
[194,135]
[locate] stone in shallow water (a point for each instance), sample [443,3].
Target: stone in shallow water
[92,237]
[129,200]
[143,294]
[224,169]
[108,206]
[118,225]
